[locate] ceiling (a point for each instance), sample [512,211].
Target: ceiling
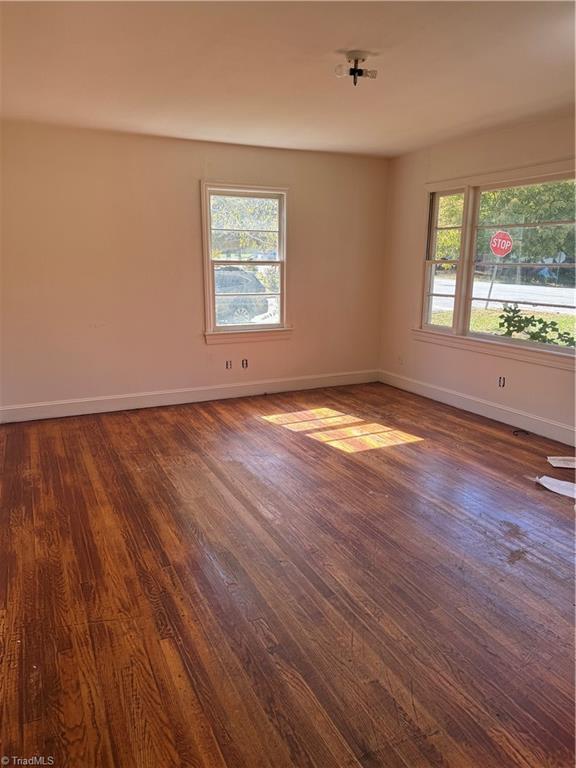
[263,73]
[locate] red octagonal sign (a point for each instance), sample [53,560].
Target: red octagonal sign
[501,243]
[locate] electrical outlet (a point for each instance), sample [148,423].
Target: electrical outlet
[501,381]
[228,364]
[245,363]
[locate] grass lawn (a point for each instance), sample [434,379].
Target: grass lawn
[486,320]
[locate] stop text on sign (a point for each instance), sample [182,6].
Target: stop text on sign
[501,244]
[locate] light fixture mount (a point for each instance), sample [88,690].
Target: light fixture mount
[354,67]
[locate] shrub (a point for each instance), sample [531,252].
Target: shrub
[513,321]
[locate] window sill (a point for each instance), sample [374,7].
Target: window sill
[509,350]
[258,334]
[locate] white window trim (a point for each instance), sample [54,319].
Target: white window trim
[558,169]
[458,335]
[214,334]
[492,345]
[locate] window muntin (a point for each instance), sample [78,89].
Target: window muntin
[245,258]
[445,247]
[522,289]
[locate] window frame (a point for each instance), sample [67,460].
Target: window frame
[213,332]
[430,261]
[472,188]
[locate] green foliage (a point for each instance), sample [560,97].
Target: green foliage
[487,320]
[447,244]
[249,213]
[450,210]
[244,227]
[550,201]
[514,321]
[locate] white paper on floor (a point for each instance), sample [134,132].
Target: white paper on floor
[558,486]
[568,462]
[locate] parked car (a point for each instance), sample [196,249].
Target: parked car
[234,308]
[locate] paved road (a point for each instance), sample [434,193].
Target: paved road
[509,292]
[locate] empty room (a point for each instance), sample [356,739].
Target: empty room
[287,384]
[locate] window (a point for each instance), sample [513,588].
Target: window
[244,232]
[501,264]
[445,247]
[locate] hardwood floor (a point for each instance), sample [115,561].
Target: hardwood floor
[201,586]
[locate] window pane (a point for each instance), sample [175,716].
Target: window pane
[450,209]
[441,311]
[551,201]
[443,278]
[524,271]
[257,213]
[247,310]
[447,244]
[522,284]
[552,244]
[540,268]
[528,323]
[249,278]
[244,245]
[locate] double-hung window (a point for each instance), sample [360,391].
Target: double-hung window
[245,254]
[501,263]
[443,264]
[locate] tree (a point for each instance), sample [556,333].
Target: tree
[450,209]
[513,208]
[244,227]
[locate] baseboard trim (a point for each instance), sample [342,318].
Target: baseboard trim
[554,430]
[87,405]
[81,406]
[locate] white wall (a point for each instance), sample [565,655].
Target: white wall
[102,274]
[102,268]
[537,397]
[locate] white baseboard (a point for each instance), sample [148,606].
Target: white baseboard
[554,430]
[85,405]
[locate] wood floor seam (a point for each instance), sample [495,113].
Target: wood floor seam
[200,586]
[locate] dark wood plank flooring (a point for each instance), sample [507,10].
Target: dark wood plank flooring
[201,586]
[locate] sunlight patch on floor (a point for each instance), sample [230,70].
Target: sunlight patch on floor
[333,421]
[289,418]
[349,439]
[368,442]
[356,431]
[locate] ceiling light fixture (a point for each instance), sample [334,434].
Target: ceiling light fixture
[354,68]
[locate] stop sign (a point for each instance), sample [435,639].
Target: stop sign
[501,243]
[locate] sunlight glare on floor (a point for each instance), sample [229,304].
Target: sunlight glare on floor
[311,415]
[349,439]
[385,439]
[333,421]
[356,431]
